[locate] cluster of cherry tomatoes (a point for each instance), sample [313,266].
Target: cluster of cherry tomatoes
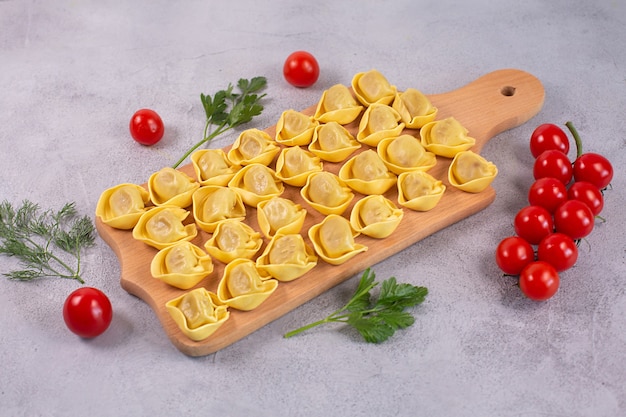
[563,204]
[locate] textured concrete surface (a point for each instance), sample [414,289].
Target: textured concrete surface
[73,72]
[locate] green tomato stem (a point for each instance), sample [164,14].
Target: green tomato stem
[577,139]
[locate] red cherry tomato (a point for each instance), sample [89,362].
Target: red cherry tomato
[588,194]
[87,312]
[546,137]
[548,193]
[559,250]
[533,223]
[574,218]
[539,281]
[555,164]
[301,69]
[593,168]
[513,254]
[146,127]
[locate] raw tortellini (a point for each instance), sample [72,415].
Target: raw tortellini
[446,137]
[212,167]
[279,215]
[287,257]
[366,173]
[337,105]
[161,227]
[256,183]
[122,206]
[419,191]
[405,153]
[169,186]
[294,165]
[253,146]
[375,216]
[415,108]
[295,128]
[471,172]
[243,287]
[333,240]
[212,204]
[327,193]
[182,265]
[372,87]
[332,142]
[379,122]
[198,313]
[233,239]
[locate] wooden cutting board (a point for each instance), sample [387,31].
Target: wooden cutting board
[493,103]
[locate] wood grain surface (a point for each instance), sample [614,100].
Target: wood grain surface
[493,103]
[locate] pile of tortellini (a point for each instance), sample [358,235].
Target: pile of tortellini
[253,175]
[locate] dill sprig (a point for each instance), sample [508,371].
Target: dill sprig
[227,109]
[38,238]
[376,319]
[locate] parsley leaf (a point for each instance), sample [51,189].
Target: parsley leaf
[227,109]
[377,319]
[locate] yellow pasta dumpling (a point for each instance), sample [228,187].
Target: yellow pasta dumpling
[256,183]
[233,239]
[171,187]
[212,204]
[405,153]
[446,137]
[326,193]
[182,265]
[471,172]
[419,191]
[163,226]
[372,87]
[367,174]
[379,122]
[294,165]
[122,206]
[287,257]
[198,313]
[295,128]
[415,108]
[333,240]
[253,146]
[279,215]
[337,105]
[243,286]
[333,143]
[375,216]
[212,167]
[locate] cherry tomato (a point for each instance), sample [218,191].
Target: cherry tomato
[546,137]
[574,218]
[548,193]
[555,164]
[513,254]
[87,312]
[588,194]
[559,250]
[301,69]
[539,281]
[533,223]
[593,168]
[146,127]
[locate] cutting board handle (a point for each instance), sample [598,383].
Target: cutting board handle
[502,99]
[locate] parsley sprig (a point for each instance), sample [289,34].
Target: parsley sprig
[38,238]
[228,109]
[375,319]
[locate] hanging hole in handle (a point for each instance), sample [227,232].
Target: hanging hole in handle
[507,91]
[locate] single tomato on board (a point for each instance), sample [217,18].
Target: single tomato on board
[87,312]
